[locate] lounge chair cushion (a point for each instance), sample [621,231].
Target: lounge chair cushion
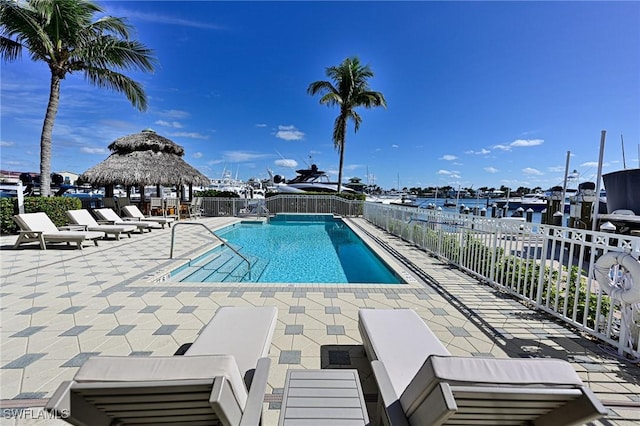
[245,332]
[401,340]
[137,369]
[38,222]
[83,217]
[469,371]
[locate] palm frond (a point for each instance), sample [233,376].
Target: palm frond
[118,82]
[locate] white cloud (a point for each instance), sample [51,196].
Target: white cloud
[519,143]
[483,151]
[174,124]
[288,163]
[261,125]
[191,135]
[89,150]
[448,157]
[289,133]
[6,143]
[162,19]
[589,164]
[173,113]
[443,172]
[531,171]
[197,155]
[527,142]
[491,170]
[241,156]
[395,146]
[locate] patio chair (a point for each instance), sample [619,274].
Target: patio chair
[205,386]
[156,206]
[195,208]
[37,227]
[172,208]
[84,218]
[134,212]
[421,383]
[110,217]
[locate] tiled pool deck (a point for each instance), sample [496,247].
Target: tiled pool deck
[60,306]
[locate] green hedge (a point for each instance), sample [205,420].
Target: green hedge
[54,207]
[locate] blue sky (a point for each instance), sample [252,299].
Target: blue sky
[479,93]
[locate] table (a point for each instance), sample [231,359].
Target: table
[323,397]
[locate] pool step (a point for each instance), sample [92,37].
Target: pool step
[222,266]
[194,266]
[205,271]
[257,269]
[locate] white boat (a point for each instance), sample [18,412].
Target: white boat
[227,183]
[397,198]
[307,180]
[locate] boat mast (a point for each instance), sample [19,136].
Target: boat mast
[564,186]
[596,205]
[624,161]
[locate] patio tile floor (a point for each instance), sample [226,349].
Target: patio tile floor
[61,306]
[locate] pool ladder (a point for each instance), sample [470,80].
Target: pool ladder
[222,241]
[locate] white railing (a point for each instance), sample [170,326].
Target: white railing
[547,266]
[283,204]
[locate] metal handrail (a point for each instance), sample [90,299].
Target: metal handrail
[222,241]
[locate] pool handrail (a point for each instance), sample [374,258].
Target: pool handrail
[222,241]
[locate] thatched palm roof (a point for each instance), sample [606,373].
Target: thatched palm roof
[144,158]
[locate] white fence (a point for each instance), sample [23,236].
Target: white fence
[281,204]
[549,267]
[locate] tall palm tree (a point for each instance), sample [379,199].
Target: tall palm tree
[349,89]
[63,34]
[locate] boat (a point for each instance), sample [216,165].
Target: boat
[623,190]
[394,198]
[307,180]
[623,200]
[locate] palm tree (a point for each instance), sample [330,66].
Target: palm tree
[63,34]
[349,89]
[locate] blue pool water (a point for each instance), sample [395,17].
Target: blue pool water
[290,249]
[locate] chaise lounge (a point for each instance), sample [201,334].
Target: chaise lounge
[134,212]
[37,227]
[421,383]
[108,216]
[221,379]
[84,218]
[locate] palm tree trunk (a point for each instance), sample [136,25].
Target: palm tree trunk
[45,138]
[342,146]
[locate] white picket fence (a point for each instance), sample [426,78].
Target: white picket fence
[549,267]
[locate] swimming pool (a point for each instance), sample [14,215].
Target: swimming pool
[291,248]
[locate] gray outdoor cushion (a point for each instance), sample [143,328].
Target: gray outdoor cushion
[466,371]
[401,340]
[140,369]
[245,332]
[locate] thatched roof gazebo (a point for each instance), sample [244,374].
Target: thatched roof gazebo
[142,159]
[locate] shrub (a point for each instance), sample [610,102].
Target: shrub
[54,207]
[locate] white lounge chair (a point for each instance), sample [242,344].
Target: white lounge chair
[421,383]
[108,216]
[84,218]
[197,388]
[37,227]
[134,212]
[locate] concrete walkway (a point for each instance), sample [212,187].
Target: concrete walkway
[61,306]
